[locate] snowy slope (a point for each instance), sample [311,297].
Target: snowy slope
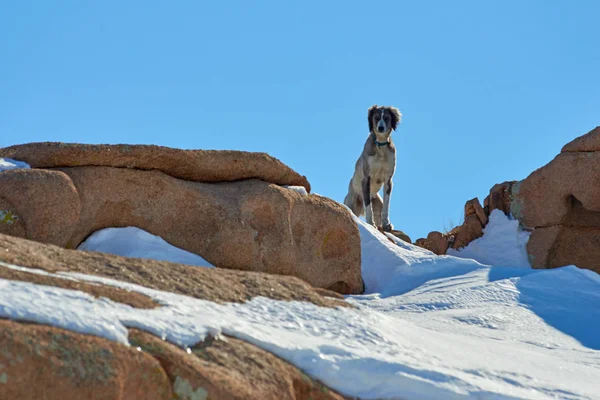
[429,327]
[135,242]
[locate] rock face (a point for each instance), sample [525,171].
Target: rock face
[192,165]
[43,362]
[240,223]
[558,203]
[561,203]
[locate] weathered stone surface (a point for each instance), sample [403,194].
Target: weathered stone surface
[499,198]
[470,230]
[473,207]
[218,285]
[134,299]
[576,246]
[45,204]
[435,242]
[540,245]
[10,221]
[42,362]
[544,198]
[247,225]
[588,142]
[228,368]
[401,235]
[193,165]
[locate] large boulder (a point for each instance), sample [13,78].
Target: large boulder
[43,362]
[560,203]
[239,223]
[192,165]
[38,361]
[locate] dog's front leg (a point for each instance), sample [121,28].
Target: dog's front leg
[366,192]
[385,213]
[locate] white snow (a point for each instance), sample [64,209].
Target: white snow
[8,164]
[502,244]
[429,327]
[299,189]
[135,242]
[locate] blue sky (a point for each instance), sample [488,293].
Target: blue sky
[489,90]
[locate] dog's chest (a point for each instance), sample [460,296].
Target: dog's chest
[381,166]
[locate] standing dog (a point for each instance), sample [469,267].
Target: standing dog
[375,168]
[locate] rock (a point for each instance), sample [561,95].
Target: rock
[401,235]
[560,203]
[42,362]
[473,207]
[588,142]
[213,284]
[470,230]
[42,205]
[10,221]
[435,242]
[546,196]
[192,165]
[219,368]
[499,198]
[247,225]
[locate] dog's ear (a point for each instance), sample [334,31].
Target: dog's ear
[370,116]
[396,117]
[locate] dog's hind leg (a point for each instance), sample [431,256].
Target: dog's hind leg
[377,209]
[354,202]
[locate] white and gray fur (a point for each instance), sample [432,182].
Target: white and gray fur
[375,168]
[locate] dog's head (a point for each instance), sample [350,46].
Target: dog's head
[383,119]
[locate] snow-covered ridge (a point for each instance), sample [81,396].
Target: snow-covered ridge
[429,327]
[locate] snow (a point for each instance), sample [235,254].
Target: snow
[502,244]
[8,164]
[299,189]
[428,327]
[135,242]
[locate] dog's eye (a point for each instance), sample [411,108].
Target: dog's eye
[377,118]
[387,117]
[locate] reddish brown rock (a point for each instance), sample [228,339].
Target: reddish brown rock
[540,245]
[545,197]
[500,198]
[248,225]
[44,204]
[435,242]
[192,165]
[212,284]
[470,230]
[401,235]
[588,142]
[473,207]
[220,369]
[10,221]
[42,362]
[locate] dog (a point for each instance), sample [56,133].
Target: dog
[375,168]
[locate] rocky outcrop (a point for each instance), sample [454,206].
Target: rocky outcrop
[213,284]
[239,223]
[560,202]
[192,165]
[43,362]
[38,361]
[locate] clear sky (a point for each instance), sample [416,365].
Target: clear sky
[490,90]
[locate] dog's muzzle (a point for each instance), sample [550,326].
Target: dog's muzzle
[381,126]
